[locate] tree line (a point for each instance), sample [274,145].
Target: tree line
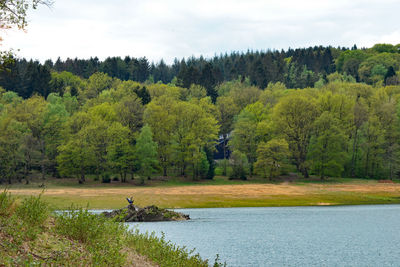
[296,68]
[105,126]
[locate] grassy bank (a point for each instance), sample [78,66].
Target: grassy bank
[30,234]
[220,192]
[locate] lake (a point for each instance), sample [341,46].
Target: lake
[290,236]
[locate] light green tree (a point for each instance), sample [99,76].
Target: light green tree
[197,91]
[11,136]
[161,118]
[240,165]
[146,153]
[294,118]
[96,83]
[227,111]
[120,151]
[327,153]
[55,117]
[32,112]
[74,158]
[373,146]
[271,157]
[194,128]
[244,136]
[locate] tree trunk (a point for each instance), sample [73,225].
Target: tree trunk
[224,146]
[82,178]
[43,166]
[354,156]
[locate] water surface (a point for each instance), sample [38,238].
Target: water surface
[290,236]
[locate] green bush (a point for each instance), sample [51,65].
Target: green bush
[25,222]
[240,166]
[106,178]
[223,167]
[103,236]
[164,252]
[6,203]
[33,211]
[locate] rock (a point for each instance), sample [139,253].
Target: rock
[133,213]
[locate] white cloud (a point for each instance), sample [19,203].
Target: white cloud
[167,29]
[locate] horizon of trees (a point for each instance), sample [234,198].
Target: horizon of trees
[65,125]
[296,68]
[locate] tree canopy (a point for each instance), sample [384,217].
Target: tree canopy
[102,122]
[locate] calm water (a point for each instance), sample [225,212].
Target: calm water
[290,236]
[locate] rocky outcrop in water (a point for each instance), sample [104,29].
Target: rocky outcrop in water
[133,213]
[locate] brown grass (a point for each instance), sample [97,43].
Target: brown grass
[284,194]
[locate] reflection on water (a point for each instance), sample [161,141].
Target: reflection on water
[290,236]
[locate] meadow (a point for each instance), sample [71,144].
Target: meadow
[219,192]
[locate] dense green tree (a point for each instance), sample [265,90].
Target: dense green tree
[96,83]
[328,146]
[389,77]
[160,117]
[146,150]
[294,118]
[75,158]
[271,157]
[197,91]
[373,149]
[194,128]
[227,111]
[66,82]
[240,166]
[120,152]
[349,61]
[32,112]
[54,118]
[11,157]
[377,65]
[244,135]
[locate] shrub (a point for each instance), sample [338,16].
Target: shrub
[164,252]
[6,204]
[33,211]
[26,221]
[103,236]
[240,166]
[106,180]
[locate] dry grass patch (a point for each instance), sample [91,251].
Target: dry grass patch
[195,196]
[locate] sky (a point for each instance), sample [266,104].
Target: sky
[175,29]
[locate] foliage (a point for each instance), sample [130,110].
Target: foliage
[294,118]
[271,157]
[164,252]
[29,235]
[86,118]
[239,164]
[328,147]
[105,238]
[146,153]
[6,203]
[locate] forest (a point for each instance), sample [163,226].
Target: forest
[320,111]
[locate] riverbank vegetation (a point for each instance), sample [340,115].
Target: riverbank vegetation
[30,234]
[322,111]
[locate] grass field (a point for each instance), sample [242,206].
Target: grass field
[220,192]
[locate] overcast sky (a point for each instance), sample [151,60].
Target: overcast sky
[168,29]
